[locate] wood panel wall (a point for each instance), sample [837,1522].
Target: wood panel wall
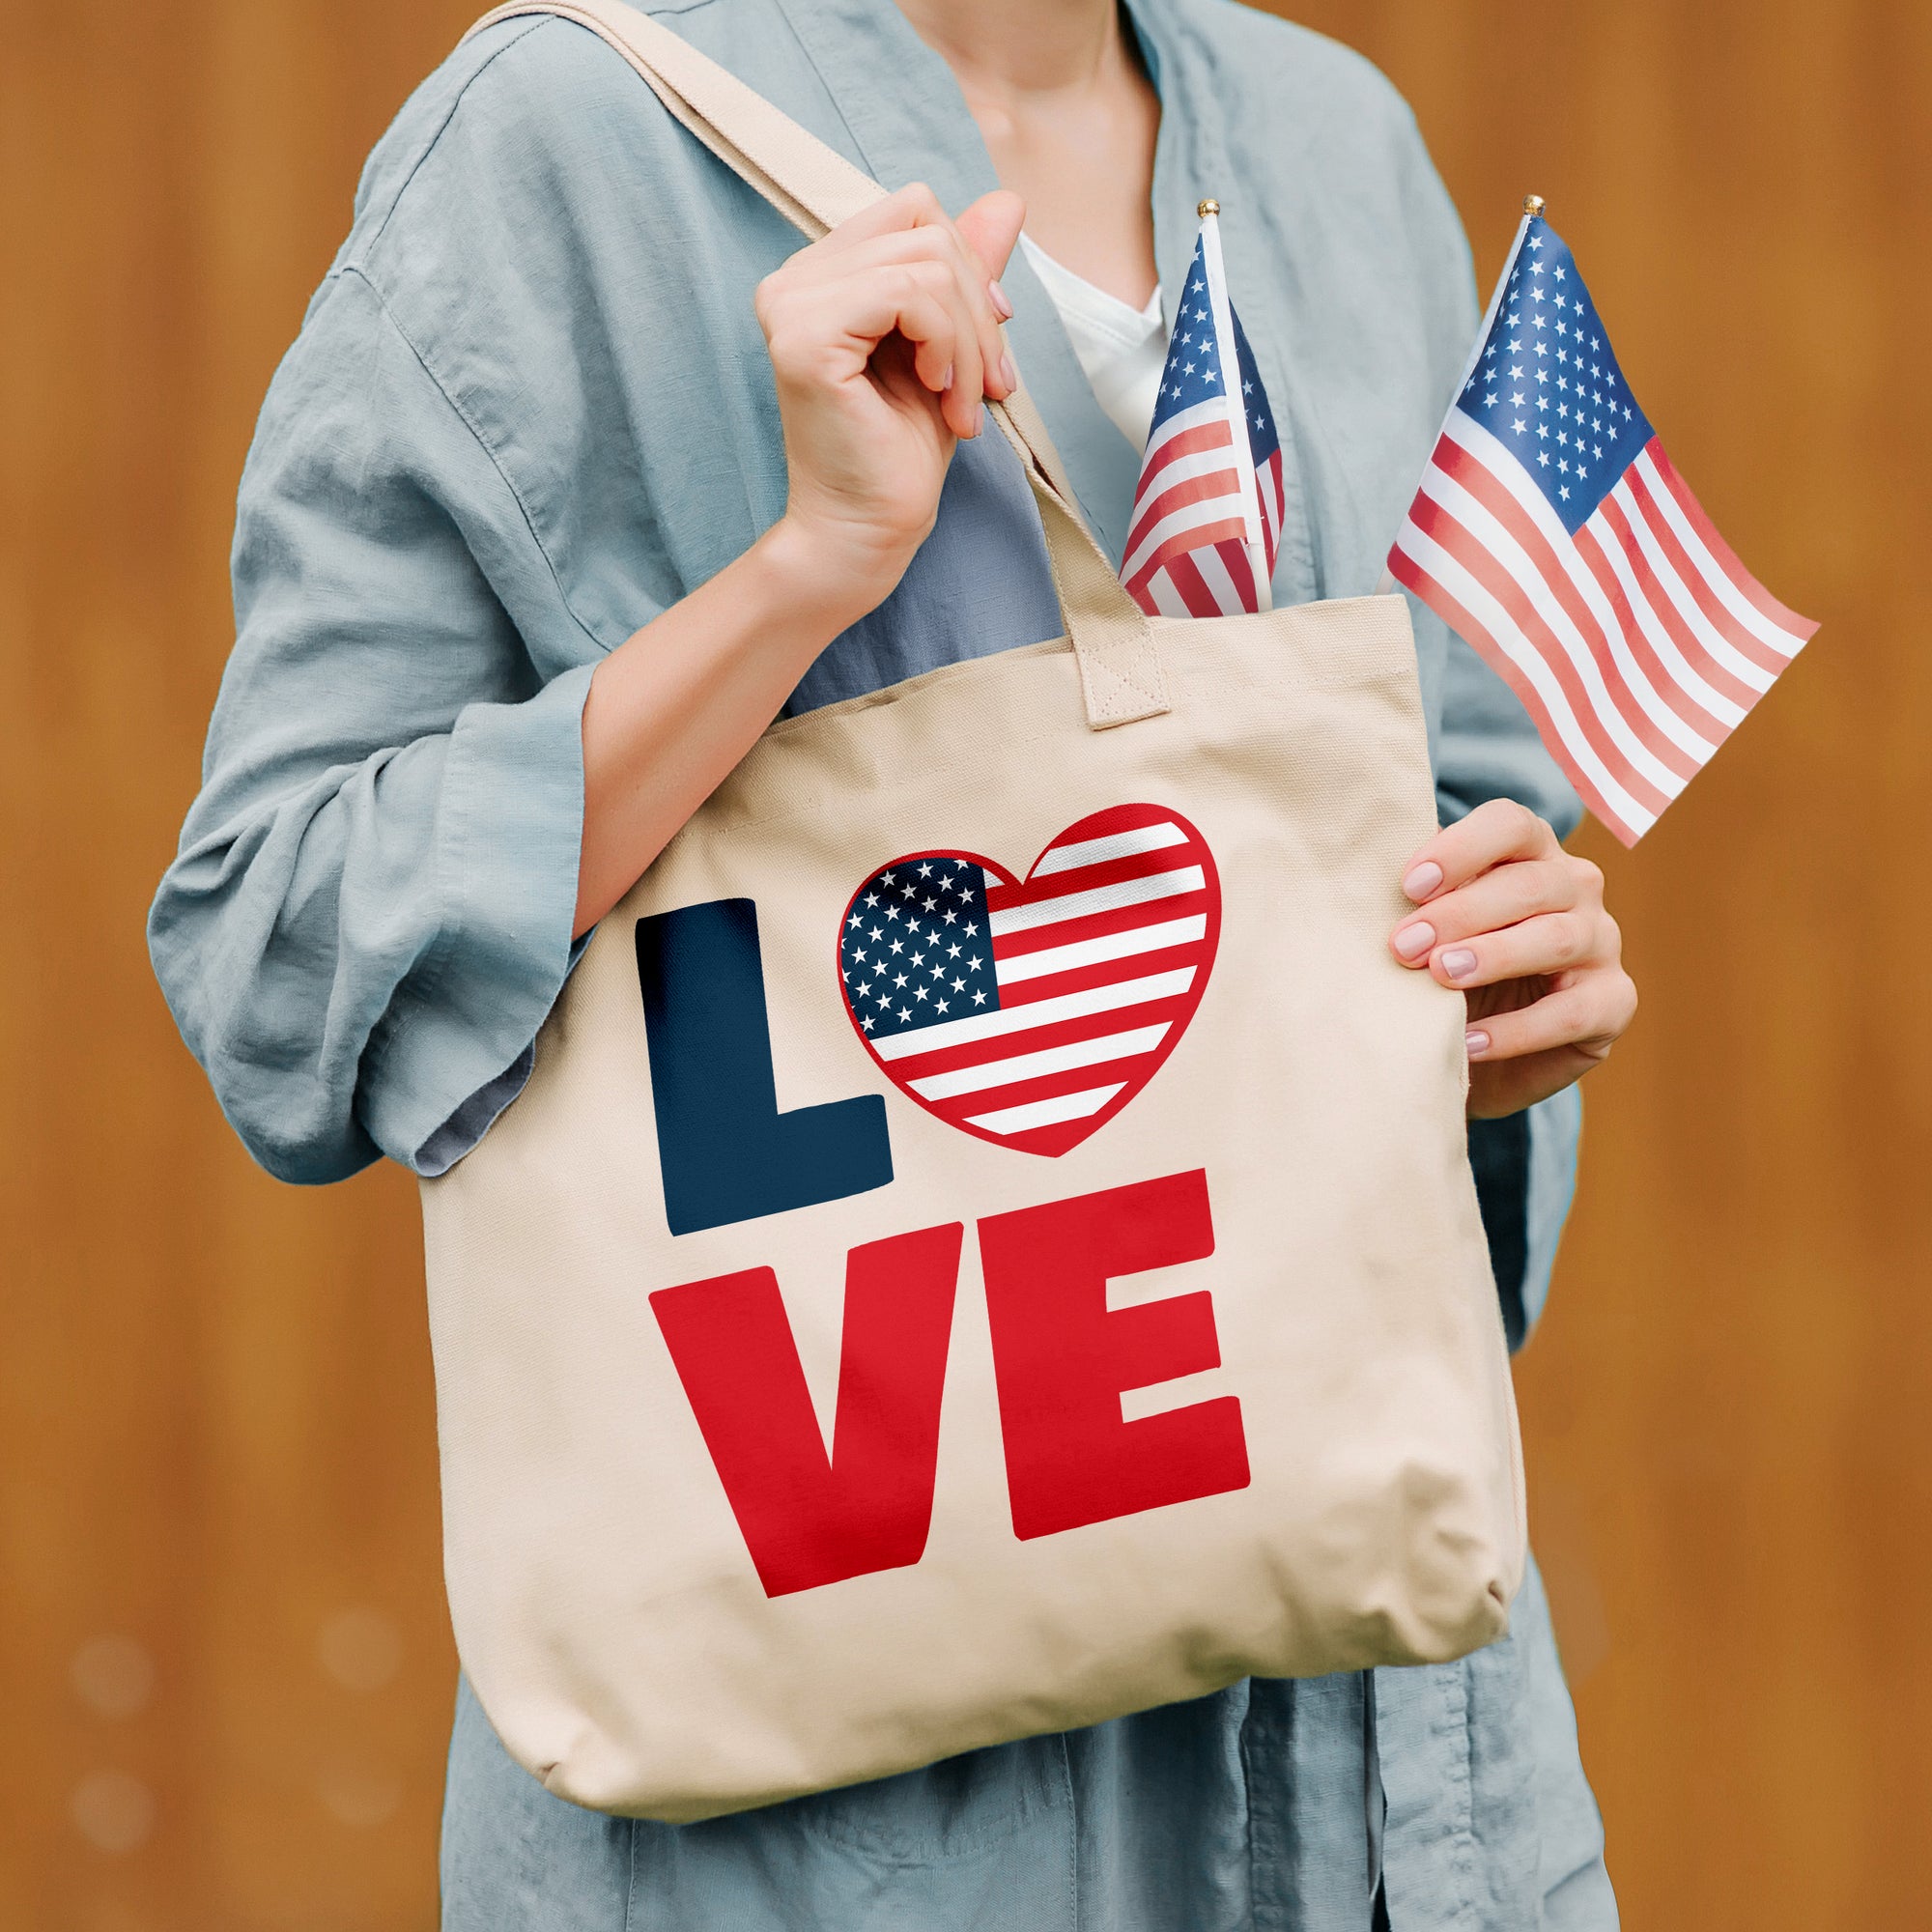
[225,1669]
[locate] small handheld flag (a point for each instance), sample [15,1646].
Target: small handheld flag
[1206,516]
[1554,535]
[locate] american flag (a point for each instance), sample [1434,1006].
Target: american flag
[1206,516]
[1554,533]
[1029,1011]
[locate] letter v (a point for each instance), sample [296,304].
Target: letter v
[809,1518]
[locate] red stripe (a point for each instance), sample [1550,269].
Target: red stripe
[1490,490]
[1663,679]
[1741,640]
[1049,1087]
[1240,569]
[1089,878]
[1190,442]
[1078,978]
[1216,484]
[1181,542]
[1615,526]
[1099,924]
[1193,591]
[1483,564]
[1405,569]
[1036,1040]
[1726,559]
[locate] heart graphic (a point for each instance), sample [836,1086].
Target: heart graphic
[1029,1011]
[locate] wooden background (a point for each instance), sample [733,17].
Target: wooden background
[225,1670]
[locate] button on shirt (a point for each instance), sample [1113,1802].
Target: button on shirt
[529,410]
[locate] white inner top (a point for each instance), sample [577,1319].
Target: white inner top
[1121,349]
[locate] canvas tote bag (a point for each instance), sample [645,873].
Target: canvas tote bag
[988,1244]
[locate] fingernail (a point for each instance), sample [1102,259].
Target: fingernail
[979,419]
[946,381]
[1477,1041]
[1413,941]
[997,296]
[1458,963]
[1422,881]
[1009,374]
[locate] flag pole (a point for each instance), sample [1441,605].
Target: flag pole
[1209,211]
[1533,206]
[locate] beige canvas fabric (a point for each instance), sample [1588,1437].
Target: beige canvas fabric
[1217,1389]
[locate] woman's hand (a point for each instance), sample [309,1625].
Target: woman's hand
[884,339]
[1519,925]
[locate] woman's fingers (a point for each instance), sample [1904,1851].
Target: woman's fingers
[910,228]
[1496,833]
[1586,1016]
[1539,948]
[991,229]
[829,333]
[1503,897]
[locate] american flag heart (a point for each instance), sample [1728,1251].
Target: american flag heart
[1029,1011]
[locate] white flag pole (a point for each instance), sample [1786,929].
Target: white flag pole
[1532,207]
[1231,388]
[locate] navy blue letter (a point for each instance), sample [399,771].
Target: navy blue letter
[725,1152]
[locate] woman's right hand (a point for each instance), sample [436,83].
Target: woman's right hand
[884,339]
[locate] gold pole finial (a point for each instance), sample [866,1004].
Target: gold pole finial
[1533,205]
[1208,208]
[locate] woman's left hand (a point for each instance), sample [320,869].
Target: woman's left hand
[1518,925]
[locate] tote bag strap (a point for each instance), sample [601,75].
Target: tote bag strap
[815,189]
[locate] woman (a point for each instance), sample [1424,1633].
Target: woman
[579,472]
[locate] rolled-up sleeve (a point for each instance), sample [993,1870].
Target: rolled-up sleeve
[370,913]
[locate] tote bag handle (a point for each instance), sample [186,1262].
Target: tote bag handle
[815,189]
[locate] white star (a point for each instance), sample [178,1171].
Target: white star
[971,929]
[884,878]
[855,919]
[978,999]
[876,933]
[896,946]
[931,905]
[959,985]
[919,992]
[867,1022]
[950,915]
[1521,427]
[1542,457]
[940,1007]
[871,898]
[952,951]
[1563,493]
[906,1013]
[899,979]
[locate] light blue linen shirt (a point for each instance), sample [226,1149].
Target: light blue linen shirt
[529,410]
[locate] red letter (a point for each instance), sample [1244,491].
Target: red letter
[1061,1359]
[809,1518]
